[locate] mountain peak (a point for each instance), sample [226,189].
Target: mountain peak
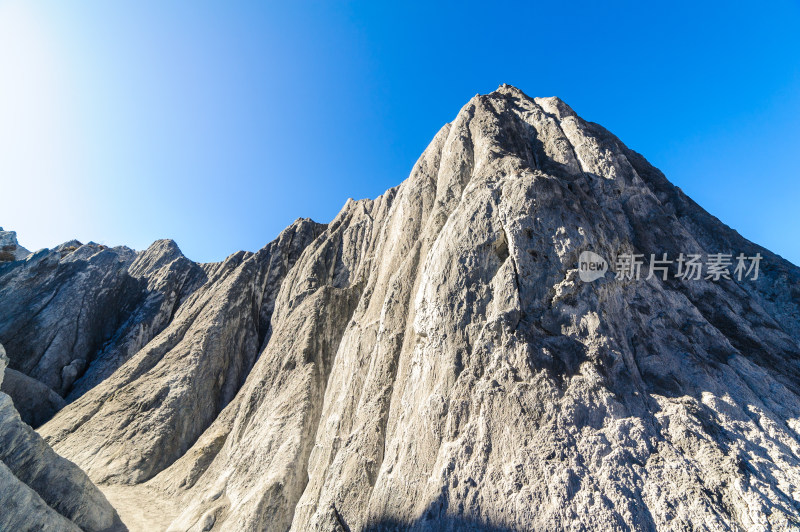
[437,358]
[505,88]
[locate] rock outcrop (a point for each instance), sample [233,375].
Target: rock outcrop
[72,315]
[34,401]
[10,250]
[39,490]
[162,399]
[432,360]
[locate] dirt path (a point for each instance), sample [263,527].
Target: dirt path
[140,508]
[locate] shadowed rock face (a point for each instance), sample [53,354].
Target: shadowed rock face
[431,360]
[39,490]
[74,314]
[162,399]
[34,401]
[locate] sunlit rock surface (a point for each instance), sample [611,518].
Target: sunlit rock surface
[431,359]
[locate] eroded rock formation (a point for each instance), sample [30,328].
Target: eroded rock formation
[431,360]
[39,490]
[10,250]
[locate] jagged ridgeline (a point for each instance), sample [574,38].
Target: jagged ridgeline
[432,359]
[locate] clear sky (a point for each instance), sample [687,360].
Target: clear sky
[218,124]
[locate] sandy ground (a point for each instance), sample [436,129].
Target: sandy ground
[141,509]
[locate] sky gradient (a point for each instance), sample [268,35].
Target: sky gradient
[218,124]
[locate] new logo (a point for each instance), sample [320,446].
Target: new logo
[591,266]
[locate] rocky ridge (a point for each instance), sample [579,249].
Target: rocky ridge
[73,314]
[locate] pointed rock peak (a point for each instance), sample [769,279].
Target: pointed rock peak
[551,104]
[295,237]
[301,223]
[555,106]
[69,243]
[160,253]
[301,226]
[505,88]
[164,246]
[68,247]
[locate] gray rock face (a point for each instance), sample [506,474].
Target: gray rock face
[10,250]
[160,401]
[72,315]
[436,363]
[163,279]
[39,490]
[34,401]
[431,359]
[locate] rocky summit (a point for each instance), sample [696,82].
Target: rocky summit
[517,337]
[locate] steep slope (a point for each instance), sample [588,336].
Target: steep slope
[436,363]
[165,279]
[39,490]
[72,315]
[153,408]
[432,360]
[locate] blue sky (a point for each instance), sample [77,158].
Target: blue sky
[218,124]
